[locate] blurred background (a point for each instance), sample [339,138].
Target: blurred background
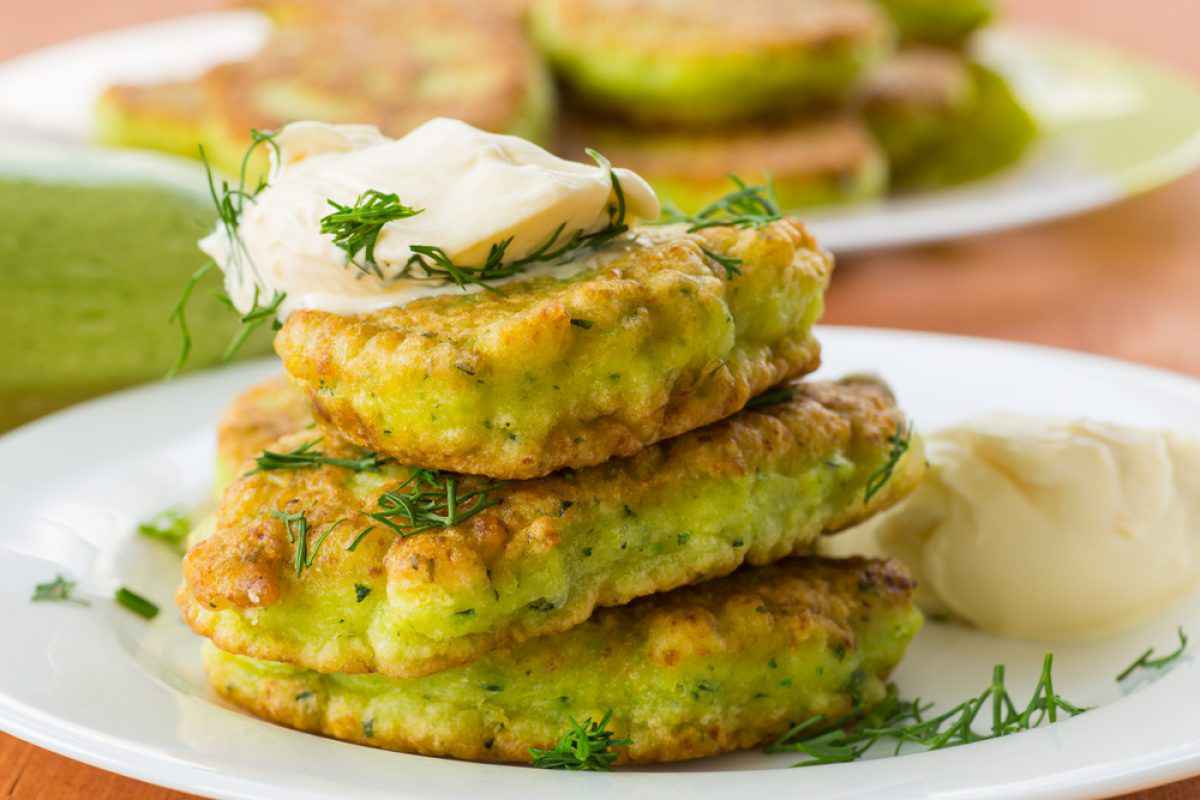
[884,121]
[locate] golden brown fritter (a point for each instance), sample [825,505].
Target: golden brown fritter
[549,372]
[255,419]
[688,674]
[753,489]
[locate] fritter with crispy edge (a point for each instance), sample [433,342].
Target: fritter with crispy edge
[709,61]
[941,22]
[811,162]
[255,419]
[752,489]
[393,66]
[655,339]
[944,121]
[692,673]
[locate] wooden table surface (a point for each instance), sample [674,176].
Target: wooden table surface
[1124,281]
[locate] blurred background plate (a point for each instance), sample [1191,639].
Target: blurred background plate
[1111,125]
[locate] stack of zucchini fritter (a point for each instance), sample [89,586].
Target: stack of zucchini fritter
[836,100]
[461,524]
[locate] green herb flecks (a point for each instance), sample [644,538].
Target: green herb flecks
[305,457]
[585,746]
[1144,661]
[433,263]
[59,590]
[136,603]
[904,722]
[356,228]
[772,397]
[900,441]
[170,526]
[430,499]
[747,206]
[731,264]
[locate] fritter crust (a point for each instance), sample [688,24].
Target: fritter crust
[811,161]
[693,673]
[255,419]
[548,373]
[709,61]
[752,489]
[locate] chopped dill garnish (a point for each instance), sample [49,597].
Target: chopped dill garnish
[747,206]
[900,441]
[1144,661]
[585,746]
[296,527]
[904,722]
[358,537]
[230,202]
[429,499]
[136,603]
[360,592]
[772,397]
[170,525]
[305,457]
[433,263]
[356,228]
[59,590]
[731,264]
[586,324]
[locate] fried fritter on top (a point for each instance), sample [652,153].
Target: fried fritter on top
[255,419]
[692,673]
[548,372]
[709,61]
[811,161]
[752,489]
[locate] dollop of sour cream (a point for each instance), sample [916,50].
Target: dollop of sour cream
[1047,529]
[474,189]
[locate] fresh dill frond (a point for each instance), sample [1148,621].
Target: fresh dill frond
[731,264]
[430,499]
[900,442]
[305,457]
[179,314]
[585,746]
[1144,661]
[252,320]
[747,206]
[297,527]
[356,228]
[170,525]
[358,537]
[59,590]
[136,603]
[433,263]
[904,722]
[772,397]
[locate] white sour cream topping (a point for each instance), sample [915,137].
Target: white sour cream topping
[1047,529]
[475,188]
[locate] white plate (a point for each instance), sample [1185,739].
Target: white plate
[102,686]
[1112,126]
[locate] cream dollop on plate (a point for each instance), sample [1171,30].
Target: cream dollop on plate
[1047,529]
[474,190]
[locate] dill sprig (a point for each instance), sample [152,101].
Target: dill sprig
[170,526]
[433,263]
[904,722]
[430,499]
[230,202]
[731,264]
[585,746]
[356,228]
[296,527]
[136,603]
[772,397]
[900,442]
[1144,661]
[305,457]
[747,206]
[59,590]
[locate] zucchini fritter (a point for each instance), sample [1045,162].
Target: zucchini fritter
[255,419]
[752,489]
[547,372]
[693,673]
[709,61]
[819,162]
[943,120]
